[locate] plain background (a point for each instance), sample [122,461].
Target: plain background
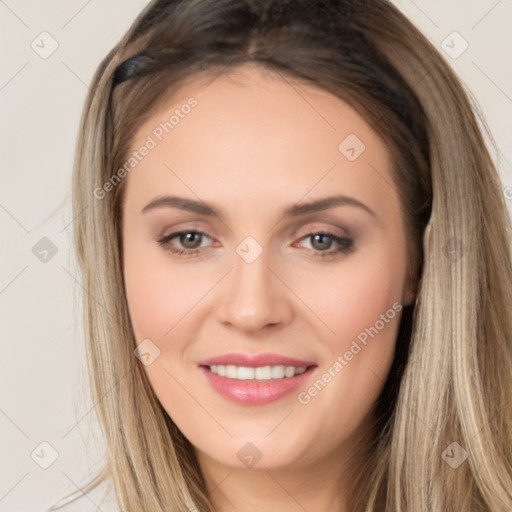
[43,382]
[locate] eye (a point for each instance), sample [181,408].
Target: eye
[322,242]
[190,240]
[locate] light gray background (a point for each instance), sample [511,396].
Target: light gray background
[43,381]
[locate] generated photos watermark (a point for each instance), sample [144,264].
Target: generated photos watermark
[304,397]
[152,140]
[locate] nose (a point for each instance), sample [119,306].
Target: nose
[254,298]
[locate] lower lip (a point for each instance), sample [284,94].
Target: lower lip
[251,392]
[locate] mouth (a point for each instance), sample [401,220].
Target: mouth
[256,385]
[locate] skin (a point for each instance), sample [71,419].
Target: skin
[254,145]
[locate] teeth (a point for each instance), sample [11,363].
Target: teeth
[259,373]
[277,372]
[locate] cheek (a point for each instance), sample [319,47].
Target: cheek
[163,302]
[159,293]
[360,304]
[354,295]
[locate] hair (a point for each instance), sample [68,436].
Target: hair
[451,378]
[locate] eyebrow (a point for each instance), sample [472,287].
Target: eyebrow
[295,210]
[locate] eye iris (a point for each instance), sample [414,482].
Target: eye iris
[186,238]
[321,237]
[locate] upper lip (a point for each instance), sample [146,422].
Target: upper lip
[254,361]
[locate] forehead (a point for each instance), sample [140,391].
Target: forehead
[254,131]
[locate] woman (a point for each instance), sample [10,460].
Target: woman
[261,369]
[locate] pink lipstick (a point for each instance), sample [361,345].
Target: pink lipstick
[256,379]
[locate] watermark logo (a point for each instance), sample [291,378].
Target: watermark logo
[249,249]
[147,352]
[454,45]
[454,249]
[44,250]
[44,455]
[44,45]
[249,454]
[454,455]
[352,147]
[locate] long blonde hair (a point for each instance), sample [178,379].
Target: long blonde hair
[451,380]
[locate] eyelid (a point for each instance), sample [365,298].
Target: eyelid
[318,227]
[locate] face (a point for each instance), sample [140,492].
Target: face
[277,280]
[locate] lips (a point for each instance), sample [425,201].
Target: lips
[254,391]
[254,361]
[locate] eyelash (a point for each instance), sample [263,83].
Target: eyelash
[345,244]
